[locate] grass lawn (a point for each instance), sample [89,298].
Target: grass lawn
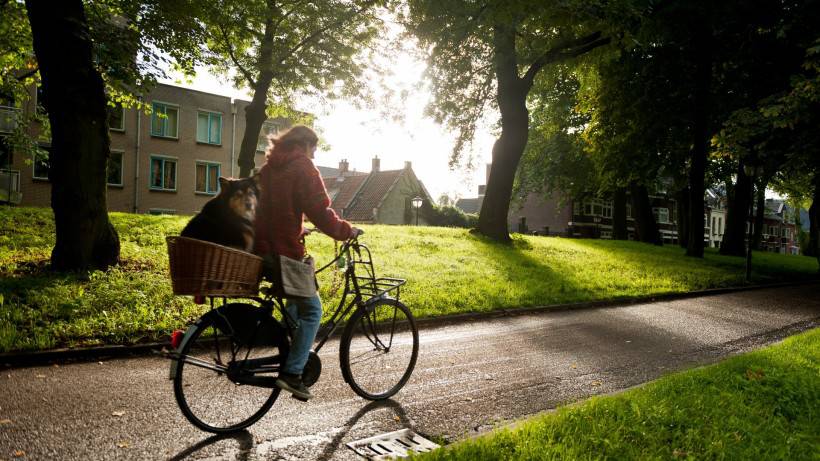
[760,405]
[448,271]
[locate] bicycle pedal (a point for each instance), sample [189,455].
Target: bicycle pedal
[301,399]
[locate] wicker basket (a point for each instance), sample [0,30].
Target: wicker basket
[208,269]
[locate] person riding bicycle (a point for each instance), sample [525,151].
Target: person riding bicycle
[291,188]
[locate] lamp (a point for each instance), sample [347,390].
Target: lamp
[417,201]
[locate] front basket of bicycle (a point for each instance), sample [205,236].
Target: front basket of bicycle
[204,268]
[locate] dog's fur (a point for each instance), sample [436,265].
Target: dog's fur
[228,218]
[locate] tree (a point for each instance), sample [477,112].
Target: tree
[75,99]
[281,48]
[489,54]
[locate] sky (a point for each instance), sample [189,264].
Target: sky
[358,135]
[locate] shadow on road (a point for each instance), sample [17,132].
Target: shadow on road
[331,447]
[243,438]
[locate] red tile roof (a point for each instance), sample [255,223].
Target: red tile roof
[345,191]
[373,191]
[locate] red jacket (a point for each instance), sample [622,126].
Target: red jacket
[291,187]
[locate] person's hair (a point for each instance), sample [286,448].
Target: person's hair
[296,136]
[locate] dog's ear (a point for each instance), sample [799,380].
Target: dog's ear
[224,183]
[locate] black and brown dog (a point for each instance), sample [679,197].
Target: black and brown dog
[228,219]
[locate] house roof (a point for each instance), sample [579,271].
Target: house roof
[345,190]
[470,205]
[375,188]
[330,172]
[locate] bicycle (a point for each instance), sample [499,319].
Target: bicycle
[225,365]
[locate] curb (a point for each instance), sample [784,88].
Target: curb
[22,359]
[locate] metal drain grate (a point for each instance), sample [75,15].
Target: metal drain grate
[399,444]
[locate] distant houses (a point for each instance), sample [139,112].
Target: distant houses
[559,215]
[383,197]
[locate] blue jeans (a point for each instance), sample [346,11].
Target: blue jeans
[308,315]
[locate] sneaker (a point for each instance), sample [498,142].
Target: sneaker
[294,385]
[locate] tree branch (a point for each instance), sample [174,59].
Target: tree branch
[317,33]
[566,50]
[28,74]
[245,73]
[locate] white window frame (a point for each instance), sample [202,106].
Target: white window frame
[164,158]
[34,169]
[121,153]
[165,119]
[209,113]
[208,164]
[656,211]
[262,130]
[121,128]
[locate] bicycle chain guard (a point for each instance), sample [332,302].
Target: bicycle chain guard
[312,371]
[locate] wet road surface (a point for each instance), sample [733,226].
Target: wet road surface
[470,377]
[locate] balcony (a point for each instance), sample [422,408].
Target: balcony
[8,119]
[10,187]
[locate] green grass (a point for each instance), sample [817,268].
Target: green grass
[760,405]
[448,271]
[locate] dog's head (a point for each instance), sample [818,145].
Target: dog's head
[241,195]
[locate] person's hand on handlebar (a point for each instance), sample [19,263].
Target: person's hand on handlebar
[356,233]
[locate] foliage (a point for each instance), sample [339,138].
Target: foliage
[760,405]
[450,216]
[318,48]
[448,271]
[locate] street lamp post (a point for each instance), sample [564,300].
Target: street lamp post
[417,204]
[751,172]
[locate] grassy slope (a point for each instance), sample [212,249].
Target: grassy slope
[448,271]
[761,405]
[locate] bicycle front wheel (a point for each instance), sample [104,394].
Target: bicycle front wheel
[204,388]
[379,348]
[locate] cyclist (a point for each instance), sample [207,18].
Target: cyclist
[291,188]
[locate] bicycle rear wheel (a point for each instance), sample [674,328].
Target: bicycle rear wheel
[379,348]
[205,384]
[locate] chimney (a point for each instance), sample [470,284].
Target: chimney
[408,165]
[375,167]
[343,165]
[481,189]
[487,175]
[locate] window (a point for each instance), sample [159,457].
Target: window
[606,234]
[114,169]
[576,208]
[207,177]
[607,209]
[39,101]
[209,127]
[163,173]
[41,162]
[268,129]
[629,211]
[161,211]
[787,233]
[720,226]
[714,225]
[164,118]
[116,117]
[661,215]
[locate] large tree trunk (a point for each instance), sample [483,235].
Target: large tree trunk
[682,199]
[700,144]
[646,230]
[734,237]
[507,150]
[75,100]
[619,225]
[760,214]
[256,112]
[813,247]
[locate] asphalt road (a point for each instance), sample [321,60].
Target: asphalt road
[470,377]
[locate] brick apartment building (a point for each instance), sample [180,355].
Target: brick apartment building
[166,162]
